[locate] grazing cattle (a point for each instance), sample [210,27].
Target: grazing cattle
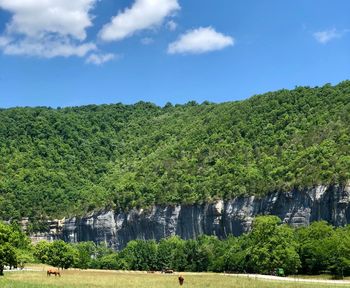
[181,280]
[53,272]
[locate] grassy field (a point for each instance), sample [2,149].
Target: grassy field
[95,279]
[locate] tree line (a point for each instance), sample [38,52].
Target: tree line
[56,163]
[318,248]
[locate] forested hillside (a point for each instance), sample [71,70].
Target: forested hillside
[60,162]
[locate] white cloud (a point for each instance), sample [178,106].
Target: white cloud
[34,18]
[47,28]
[144,14]
[48,48]
[99,59]
[327,35]
[171,25]
[147,41]
[201,40]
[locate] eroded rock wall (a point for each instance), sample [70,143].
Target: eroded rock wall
[298,208]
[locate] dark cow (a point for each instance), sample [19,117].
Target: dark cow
[181,280]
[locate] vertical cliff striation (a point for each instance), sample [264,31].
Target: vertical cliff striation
[298,208]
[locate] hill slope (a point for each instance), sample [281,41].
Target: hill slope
[59,162]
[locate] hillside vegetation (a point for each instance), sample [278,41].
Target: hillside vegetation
[60,162]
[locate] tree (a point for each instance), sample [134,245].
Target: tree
[312,249]
[170,254]
[41,251]
[272,246]
[58,254]
[7,257]
[193,256]
[11,241]
[141,255]
[110,262]
[24,256]
[337,248]
[234,258]
[62,255]
[85,252]
[210,250]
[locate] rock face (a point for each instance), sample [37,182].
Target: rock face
[298,208]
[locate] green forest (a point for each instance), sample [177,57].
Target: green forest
[68,161]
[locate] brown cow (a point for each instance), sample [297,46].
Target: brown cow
[181,280]
[53,272]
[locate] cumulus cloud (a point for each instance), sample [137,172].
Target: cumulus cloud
[99,59]
[328,35]
[201,40]
[143,14]
[47,28]
[37,17]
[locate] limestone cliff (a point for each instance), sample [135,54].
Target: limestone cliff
[298,207]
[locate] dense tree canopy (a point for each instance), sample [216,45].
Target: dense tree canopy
[60,162]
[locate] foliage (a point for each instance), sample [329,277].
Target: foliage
[85,252]
[140,255]
[312,250]
[338,252]
[61,162]
[58,254]
[170,254]
[7,257]
[109,262]
[235,255]
[12,241]
[272,246]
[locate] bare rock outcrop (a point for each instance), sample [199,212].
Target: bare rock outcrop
[222,218]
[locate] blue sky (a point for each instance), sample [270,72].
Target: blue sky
[55,53]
